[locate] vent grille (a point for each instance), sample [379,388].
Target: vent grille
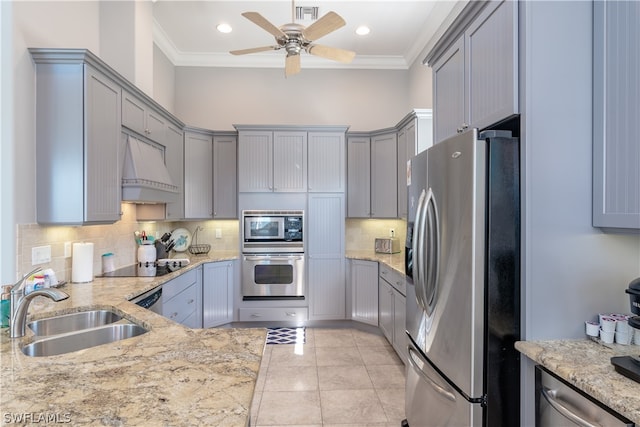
[307,13]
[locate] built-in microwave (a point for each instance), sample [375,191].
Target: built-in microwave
[269,231]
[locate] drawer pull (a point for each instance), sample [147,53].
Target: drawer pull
[291,313]
[191,301]
[173,315]
[256,315]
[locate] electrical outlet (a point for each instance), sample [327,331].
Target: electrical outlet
[40,254]
[218,233]
[392,232]
[67,249]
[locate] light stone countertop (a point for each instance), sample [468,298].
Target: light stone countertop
[587,365]
[171,375]
[394,261]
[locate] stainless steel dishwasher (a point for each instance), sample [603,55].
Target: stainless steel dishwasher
[559,404]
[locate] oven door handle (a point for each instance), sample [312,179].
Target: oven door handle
[273,258]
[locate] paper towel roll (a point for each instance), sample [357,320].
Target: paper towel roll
[82,263]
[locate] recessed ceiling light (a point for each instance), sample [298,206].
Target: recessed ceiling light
[224,28]
[363,30]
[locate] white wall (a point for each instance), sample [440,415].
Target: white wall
[217,98]
[164,80]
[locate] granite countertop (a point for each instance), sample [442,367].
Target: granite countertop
[394,261]
[586,365]
[171,375]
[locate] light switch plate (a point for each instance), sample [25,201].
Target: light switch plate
[40,254]
[218,233]
[67,249]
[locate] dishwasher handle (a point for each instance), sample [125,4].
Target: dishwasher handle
[550,397]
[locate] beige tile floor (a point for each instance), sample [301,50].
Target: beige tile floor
[339,377]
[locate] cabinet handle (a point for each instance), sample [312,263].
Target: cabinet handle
[462,128]
[256,315]
[290,314]
[173,315]
[191,301]
[550,396]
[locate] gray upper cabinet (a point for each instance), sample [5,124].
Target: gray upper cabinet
[326,162]
[78,137]
[616,150]
[475,69]
[141,118]
[272,160]
[415,135]
[448,92]
[225,194]
[359,176]
[384,176]
[198,175]
[174,159]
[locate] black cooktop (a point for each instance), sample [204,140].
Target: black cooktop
[146,269]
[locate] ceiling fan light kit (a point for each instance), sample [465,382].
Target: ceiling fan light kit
[295,38]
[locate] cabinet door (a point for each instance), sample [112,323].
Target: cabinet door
[156,127]
[255,161]
[174,159]
[325,248]
[385,309]
[616,151]
[364,291]
[326,153]
[102,189]
[217,294]
[224,177]
[198,175]
[406,142]
[491,49]
[359,177]
[290,161]
[384,176]
[399,326]
[133,113]
[448,92]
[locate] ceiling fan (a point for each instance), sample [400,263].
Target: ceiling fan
[295,38]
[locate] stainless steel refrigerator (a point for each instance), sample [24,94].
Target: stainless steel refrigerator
[463,282]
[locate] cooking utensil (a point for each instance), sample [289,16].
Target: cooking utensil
[171,245]
[165,237]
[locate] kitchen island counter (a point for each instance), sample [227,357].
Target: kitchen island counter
[170,375]
[586,365]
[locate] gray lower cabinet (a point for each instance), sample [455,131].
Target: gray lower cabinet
[392,309]
[364,291]
[325,256]
[78,137]
[217,293]
[475,69]
[182,299]
[616,150]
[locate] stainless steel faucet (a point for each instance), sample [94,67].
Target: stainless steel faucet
[20,304]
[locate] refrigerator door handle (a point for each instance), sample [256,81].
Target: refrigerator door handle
[550,397]
[418,250]
[432,246]
[435,386]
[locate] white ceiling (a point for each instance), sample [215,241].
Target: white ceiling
[186,31]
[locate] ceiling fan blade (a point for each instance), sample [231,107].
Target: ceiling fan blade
[333,53]
[262,22]
[291,65]
[323,26]
[253,50]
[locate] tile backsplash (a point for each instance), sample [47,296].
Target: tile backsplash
[360,234]
[116,238]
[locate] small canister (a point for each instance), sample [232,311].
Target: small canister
[108,262]
[146,252]
[5,306]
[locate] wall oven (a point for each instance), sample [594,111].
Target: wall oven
[273,265]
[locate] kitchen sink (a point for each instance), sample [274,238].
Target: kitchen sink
[73,322]
[79,340]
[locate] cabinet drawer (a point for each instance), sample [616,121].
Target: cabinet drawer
[179,284]
[181,306]
[273,314]
[394,278]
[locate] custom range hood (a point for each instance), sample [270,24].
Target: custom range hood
[145,177]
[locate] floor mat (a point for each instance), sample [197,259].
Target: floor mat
[286,336]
